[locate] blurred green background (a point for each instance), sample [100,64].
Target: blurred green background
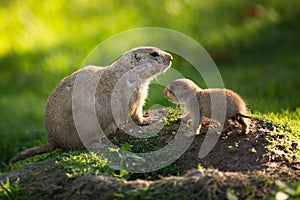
[255,45]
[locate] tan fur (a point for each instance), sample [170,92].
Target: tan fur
[184,91]
[134,70]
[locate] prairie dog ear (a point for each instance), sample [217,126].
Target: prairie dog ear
[136,57]
[172,87]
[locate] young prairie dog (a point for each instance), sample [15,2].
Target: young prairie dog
[185,91]
[125,82]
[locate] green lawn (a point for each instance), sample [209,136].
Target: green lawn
[256,48]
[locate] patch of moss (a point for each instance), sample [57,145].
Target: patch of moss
[172,116]
[170,170]
[137,145]
[13,166]
[77,163]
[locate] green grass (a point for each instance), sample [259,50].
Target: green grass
[286,137]
[291,191]
[12,191]
[42,42]
[77,163]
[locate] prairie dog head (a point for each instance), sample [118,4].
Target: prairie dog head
[146,62]
[181,91]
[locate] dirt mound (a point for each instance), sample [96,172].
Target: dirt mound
[238,165]
[233,152]
[43,181]
[244,153]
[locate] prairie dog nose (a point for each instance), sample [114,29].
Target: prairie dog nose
[168,59]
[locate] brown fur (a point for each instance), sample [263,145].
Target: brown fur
[184,91]
[132,71]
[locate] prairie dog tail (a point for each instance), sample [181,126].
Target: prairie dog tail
[31,152]
[244,120]
[243,116]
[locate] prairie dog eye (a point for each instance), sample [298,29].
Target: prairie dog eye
[154,54]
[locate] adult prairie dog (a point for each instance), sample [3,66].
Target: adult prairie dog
[198,102]
[119,95]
